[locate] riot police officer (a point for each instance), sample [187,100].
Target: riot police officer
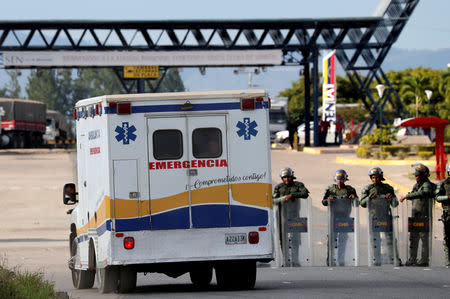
[379,197]
[340,197]
[443,196]
[422,199]
[286,195]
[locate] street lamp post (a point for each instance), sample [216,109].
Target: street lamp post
[380,88]
[428,93]
[250,73]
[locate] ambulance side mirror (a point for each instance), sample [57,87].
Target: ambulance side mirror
[69,194]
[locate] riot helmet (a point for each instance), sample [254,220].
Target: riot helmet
[376,171]
[287,172]
[340,175]
[421,170]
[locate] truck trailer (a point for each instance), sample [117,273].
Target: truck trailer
[22,124]
[171,183]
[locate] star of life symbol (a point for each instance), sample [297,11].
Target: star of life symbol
[247,128]
[125,133]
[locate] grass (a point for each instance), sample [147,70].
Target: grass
[23,285]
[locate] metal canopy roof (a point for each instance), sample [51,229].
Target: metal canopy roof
[361,43]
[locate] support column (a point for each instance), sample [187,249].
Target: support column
[307,81]
[315,75]
[141,85]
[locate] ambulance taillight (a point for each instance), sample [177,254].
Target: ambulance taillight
[253,237]
[128,243]
[123,108]
[75,112]
[248,104]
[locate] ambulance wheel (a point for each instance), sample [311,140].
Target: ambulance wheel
[127,280]
[81,279]
[236,275]
[107,279]
[201,276]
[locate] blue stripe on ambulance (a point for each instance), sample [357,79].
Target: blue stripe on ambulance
[175,219]
[206,216]
[133,224]
[196,107]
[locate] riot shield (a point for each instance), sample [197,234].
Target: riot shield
[419,249]
[343,232]
[296,233]
[382,231]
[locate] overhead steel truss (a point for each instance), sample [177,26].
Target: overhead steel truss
[361,44]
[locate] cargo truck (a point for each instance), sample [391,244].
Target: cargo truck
[57,130]
[22,124]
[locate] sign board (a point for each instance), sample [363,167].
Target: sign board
[329,88]
[26,59]
[140,71]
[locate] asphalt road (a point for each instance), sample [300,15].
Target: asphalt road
[34,236]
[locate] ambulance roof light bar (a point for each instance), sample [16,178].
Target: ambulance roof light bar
[248,104]
[124,108]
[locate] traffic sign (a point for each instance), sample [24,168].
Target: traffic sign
[140,71]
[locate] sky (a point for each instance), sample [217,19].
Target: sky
[427,29]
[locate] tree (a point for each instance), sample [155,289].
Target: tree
[171,83]
[12,88]
[296,101]
[414,87]
[43,86]
[443,107]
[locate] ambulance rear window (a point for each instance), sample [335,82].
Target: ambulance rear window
[167,144]
[207,143]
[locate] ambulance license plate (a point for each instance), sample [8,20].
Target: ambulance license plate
[231,239]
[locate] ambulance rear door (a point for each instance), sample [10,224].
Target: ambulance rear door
[168,161]
[210,205]
[188,172]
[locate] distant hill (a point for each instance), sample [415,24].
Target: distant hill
[400,59]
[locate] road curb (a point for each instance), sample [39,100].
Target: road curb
[35,151]
[371,162]
[398,187]
[314,151]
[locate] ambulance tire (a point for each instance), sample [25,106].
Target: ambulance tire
[107,279]
[201,276]
[127,280]
[81,279]
[240,275]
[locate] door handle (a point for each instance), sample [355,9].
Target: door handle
[192,172]
[133,195]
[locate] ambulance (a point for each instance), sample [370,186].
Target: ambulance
[171,183]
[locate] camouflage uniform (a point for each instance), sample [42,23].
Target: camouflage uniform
[421,196]
[342,208]
[442,196]
[379,208]
[289,210]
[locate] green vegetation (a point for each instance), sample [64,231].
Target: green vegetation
[363,152]
[380,136]
[380,155]
[24,285]
[397,150]
[425,155]
[410,85]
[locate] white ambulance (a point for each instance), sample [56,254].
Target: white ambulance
[171,183]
